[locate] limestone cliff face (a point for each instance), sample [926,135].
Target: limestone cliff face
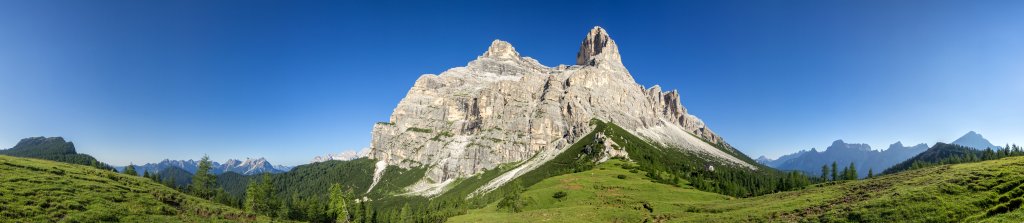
[504,108]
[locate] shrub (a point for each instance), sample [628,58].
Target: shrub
[560,196]
[620,176]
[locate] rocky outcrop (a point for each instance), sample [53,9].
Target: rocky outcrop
[506,108]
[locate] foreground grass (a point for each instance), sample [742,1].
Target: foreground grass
[989,191]
[33,190]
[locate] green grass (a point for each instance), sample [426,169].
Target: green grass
[989,191]
[597,195]
[34,190]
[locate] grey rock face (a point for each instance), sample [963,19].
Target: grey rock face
[505,108]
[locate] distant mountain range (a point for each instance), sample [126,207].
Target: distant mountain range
[342,156]
[247,167]
[861,155]
[976,141]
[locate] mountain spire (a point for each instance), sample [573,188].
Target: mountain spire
[598,48]
[500,49]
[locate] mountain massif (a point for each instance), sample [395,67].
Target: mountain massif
[504,108]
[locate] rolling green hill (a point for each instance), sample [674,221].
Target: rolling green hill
[52,148]
[34,190]
[989,191]
[942,153]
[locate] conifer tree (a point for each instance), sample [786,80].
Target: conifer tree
[405,215]
[337,205]
[835,169]
[824,172]
[871,173]
[130,170]
[258,196]
[853,172]
[203,182]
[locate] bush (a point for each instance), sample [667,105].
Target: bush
[620,176]
[560,196]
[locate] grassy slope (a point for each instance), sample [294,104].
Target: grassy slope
[963,192]
[33,190]
[594,196]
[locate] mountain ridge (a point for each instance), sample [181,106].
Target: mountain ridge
[249,166]
[506,108]
[842,153]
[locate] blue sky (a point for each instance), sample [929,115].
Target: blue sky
[140,81]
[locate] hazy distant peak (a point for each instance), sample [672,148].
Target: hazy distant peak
[974,140]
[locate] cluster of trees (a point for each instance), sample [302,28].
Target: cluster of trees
[669,165]
[942,153]
[848,172]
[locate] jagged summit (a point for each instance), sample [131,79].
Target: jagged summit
[507,108]
[501,50]
[598,49]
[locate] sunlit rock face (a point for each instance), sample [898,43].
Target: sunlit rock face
[505,108]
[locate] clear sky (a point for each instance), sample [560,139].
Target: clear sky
[140,81]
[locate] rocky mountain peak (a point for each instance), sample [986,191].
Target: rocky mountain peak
[840,146]
[898,144]
[597,49]
[501,50]
[974,140]
[506,108]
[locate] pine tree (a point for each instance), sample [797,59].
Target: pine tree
[130,170]
[845,175]
[835,169]
[203,181]
[824,172]
[853,172]
[145,173]
[258,196]
[337,205]
[871,173]
[405,215]
[284,211]
[370,214]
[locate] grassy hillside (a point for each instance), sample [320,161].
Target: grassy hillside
[52,148]
[989,191]
[33,190]
[597,195]
[943,153]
